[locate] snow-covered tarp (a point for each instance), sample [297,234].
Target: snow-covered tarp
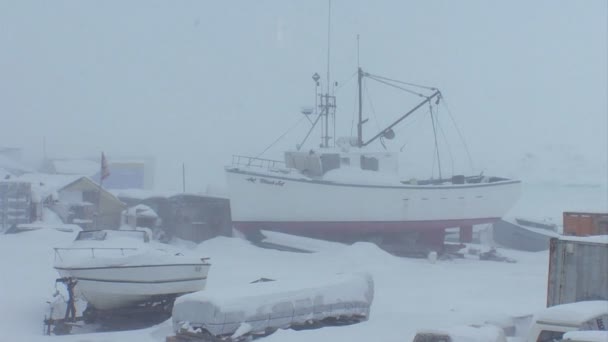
[266,305]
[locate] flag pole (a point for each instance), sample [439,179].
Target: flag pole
[103,173]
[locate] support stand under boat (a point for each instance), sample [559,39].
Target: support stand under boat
[63,326]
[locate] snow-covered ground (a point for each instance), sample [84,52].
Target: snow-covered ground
[410,294]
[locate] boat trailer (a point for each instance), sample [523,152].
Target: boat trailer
[139,315]
[63,326]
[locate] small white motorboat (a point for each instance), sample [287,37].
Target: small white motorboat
[119,268]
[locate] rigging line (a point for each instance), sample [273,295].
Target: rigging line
[435,136]
[410,123]
[333,116]
[345,83]
[433,166]
[402,82]
[352,121]
[464,142]
[414,124]
[396,86]
[445,139]
[371,104]
[281,137]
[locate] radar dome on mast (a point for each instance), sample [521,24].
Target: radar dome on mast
[307,110]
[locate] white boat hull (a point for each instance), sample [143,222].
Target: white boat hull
[265,200]
[115,287]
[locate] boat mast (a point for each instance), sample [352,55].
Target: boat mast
[360,122]
[325,104]
[326,137]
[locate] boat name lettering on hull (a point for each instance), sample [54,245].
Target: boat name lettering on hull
[265,181]
[271,182]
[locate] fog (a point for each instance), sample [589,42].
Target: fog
[195,82]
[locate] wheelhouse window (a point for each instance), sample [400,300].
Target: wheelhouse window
[369,163]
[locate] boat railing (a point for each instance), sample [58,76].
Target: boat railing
[238,160]
[92,249]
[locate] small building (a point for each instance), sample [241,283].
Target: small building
[75,199]
[199,217]
[194,217]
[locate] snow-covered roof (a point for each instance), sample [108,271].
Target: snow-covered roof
[83,167]
[141,210]
[13,165]
[44,185]
[141,194]
[574,313]
[48,180]
[593,239]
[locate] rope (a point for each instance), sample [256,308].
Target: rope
[396,86]
[405,83]
[341,85]
[435,136]
[464,142]
[446,140]
[281,137]
[371,104]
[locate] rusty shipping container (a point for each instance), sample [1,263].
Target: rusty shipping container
[578,270]
[585,224]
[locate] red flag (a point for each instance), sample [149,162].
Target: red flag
[105,170]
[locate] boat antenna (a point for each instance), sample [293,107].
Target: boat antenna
[328,44]
[325,103]
[360,119]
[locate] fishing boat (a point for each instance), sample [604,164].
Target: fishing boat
[350,188]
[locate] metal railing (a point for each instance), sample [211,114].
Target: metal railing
[257,162]
[92,249]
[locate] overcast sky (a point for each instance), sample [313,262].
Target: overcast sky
[198,81]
